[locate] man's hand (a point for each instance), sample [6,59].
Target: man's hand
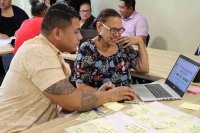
[121,93]
[107,86]
[4,36]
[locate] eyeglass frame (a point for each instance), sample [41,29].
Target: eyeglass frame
[85,11]
[117,30]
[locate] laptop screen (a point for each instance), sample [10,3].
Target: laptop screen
[182,74]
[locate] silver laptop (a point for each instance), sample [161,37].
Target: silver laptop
[175,86]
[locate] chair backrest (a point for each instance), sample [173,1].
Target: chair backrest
[6,60]
[197,51]
[147,40]
[88,34]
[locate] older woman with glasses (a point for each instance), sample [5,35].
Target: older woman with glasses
[86,18]
[105,58]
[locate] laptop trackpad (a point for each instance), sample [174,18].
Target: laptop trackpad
[144,92]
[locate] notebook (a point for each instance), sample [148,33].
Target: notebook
[175,86]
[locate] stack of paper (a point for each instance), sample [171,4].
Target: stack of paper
[7,41]
[194,90]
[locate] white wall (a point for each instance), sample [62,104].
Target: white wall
[24,4]
[174,25]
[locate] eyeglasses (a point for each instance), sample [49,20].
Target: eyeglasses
[113,30]
[85,11]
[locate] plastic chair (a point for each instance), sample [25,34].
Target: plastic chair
[6,60]
[197,51]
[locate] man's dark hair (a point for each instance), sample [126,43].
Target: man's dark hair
[58,15]
[104,15]
[37,7]
[129,3]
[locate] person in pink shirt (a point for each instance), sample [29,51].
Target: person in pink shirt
[134,23]
[31,27]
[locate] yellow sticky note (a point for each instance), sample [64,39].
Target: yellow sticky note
[79,129]
[174,130]
[108,104]
[142,104]
[144,109]
[135,105]
[139,104]
[191,127]
[136,128]
[143,118]
[97,123]
[161,113]
[86,117]
[159,125]
[131,112]
[105,129]
[190,106]
[171,121]
[184,117]
[115,106]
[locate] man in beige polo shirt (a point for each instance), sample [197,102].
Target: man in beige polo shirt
[37,80]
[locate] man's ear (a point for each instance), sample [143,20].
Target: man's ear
[130,8]
[56,33]
[99,26]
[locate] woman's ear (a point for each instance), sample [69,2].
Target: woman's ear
[43,13]
[98,25]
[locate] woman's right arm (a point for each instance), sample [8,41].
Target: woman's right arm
[85,87]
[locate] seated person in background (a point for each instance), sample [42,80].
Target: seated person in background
[134,23]
[77,3]
[31,27]
[86,18]
[37,80]
[11,18]
[101,59]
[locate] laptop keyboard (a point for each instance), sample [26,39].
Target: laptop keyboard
[158,91]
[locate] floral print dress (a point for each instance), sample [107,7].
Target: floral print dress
[94,69]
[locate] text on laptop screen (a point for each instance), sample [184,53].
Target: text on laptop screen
[182,74]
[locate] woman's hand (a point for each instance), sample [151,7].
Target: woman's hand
[130,40]
[107,86]
[4,36]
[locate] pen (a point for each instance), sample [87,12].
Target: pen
[131,102]
[99,111]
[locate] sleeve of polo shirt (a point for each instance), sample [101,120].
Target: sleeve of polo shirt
[142,27]
[83,64]
[43,67]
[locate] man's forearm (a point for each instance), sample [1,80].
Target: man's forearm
[90,100]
